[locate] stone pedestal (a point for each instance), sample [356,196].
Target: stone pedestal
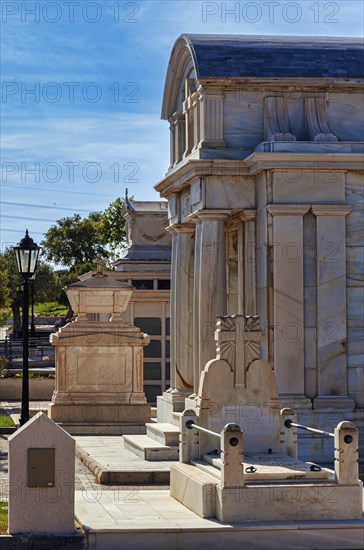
[99,365]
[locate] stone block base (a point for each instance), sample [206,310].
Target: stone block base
[167,404]
[97,419]
[203,494]
[194,489]
[290,502]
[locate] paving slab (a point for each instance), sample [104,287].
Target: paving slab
[134,519]
[110,462]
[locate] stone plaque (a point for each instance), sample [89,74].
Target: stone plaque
[280,466]
[106,370]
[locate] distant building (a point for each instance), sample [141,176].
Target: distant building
[146,265]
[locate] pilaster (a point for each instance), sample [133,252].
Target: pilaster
[288,302]
[331,305]
[212,118]
[210,294]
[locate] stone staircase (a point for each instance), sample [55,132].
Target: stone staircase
[160,442]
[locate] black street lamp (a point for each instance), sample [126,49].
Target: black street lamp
[26,253]
[32,324]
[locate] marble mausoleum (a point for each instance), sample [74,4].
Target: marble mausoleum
[265,198]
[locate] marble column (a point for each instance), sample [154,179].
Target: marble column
[183,303]
[173,312]
[196,120]
[288,302]
[196,308]
[210,290]
[331,305]
[188,113]
[248,263]
[171,142]
[179,136]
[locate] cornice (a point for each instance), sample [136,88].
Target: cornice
[258,162]
[189,169]
[281,84]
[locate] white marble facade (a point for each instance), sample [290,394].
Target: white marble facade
[265,193]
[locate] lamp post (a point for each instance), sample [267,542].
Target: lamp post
[26,253]
[32,324]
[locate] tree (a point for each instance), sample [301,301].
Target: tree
[112,228]
[67,277]
[4,292]
[75,241]
[46,285]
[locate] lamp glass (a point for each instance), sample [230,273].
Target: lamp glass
[27,253]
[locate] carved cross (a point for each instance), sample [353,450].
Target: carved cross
[237,342]
[100,263]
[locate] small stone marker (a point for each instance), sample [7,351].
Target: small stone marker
[41,478]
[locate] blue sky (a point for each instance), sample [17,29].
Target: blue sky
[82,86]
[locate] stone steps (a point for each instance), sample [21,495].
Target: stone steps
[160,443]
[149,449]
[207,468]
[164,433]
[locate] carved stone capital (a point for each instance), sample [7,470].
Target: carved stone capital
[331,210]
[213,215]
[288,209]
[248,215]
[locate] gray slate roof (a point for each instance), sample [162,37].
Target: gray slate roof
[229,56]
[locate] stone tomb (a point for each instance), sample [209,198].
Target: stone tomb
[99,363]
[41,479]
[251,472]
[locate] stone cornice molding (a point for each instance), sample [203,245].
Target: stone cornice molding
[288,209]
[189,169]
[300,85]
[331,210]
[248,215]
[325,161]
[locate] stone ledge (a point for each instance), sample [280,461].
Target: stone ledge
[42,542]
[108,476]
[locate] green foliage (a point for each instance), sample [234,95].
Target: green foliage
[4,373]
[3,517]
[46,285]
[6,422]
[4,284]
[112,228]
[76,241]
[51,308]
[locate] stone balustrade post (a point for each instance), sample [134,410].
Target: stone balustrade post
[232,472]
[288,435]
[346,453]
[188,438]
